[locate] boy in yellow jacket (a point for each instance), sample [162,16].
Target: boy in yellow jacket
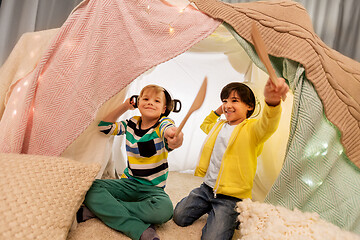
[228,158]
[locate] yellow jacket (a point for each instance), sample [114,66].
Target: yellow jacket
[238,165]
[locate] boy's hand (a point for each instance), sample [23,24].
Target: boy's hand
[219,111]
[173,142]
[273,94]
[129,104]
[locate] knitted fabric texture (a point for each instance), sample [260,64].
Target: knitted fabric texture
[100,49]
[266,221]
[287,32]
[40,195]
[316,175]
[21,62]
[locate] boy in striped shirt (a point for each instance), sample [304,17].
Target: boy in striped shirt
[135,202]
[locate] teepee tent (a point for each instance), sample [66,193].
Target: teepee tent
[107,51]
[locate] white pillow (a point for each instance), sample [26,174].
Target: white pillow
[39,195]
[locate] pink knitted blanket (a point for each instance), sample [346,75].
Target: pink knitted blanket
[100,49]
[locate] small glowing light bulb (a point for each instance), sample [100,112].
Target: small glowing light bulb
[14,112]
[171,29]
[183,9]
[18,89]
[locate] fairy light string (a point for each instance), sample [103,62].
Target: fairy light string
[170,25]
[147,7]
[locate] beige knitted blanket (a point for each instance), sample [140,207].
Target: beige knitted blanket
[288,33]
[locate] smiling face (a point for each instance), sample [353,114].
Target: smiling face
[234,109]
[151,104]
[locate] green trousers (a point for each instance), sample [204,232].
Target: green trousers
[128,206]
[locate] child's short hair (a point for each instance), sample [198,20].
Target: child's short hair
[245,93]
[168,101]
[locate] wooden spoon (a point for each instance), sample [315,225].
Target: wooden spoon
[263,55]
[195,106]
[262,52]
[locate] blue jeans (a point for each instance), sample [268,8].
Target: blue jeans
[222,218]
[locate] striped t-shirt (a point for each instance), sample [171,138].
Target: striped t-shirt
[146,149]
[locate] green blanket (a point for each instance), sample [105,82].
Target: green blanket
[317,176]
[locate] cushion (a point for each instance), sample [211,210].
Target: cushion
[40,195]
[266,221]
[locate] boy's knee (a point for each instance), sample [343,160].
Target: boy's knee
[96,185]
[179,221]
[163,212]
[164,216]
[179,218]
